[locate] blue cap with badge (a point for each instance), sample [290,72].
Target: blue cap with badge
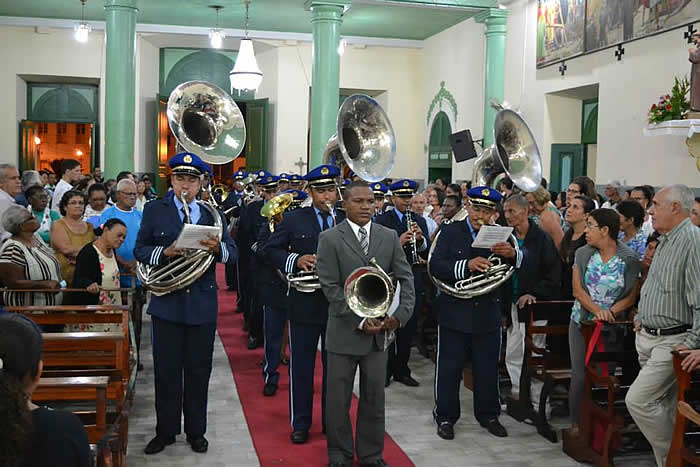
[484,196]
[240,175]
[295,179]
[267,181]
[379,189]
[322,176]
[404,187]
[284,177]
[298,196]
[186,163]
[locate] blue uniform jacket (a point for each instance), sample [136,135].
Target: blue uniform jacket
[391,220]
[193,305]
[449,264]
[295,236]
[271,289]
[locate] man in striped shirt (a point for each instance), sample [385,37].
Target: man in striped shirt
[669,317]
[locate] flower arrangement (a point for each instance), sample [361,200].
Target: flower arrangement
[672,106]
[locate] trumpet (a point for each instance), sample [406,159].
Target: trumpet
[303,281]
[249,192]
[415,259]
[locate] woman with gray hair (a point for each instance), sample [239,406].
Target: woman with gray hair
[26,262]
[28,179]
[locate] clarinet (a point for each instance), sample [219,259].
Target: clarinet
[415,259]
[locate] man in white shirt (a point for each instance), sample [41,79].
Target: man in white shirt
[643,195]
[612,192]
[10,186]
[70,169]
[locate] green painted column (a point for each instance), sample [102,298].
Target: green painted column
[326,18]
[120,85]
[495,20]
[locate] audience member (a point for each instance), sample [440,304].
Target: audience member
[583,185]
[26,262]
[463,188]
[668,317]
[560,202]
[441,184]
[418,206]
[450,206]
[97,174]
[151,192]
[695,213]
[652,243]
[141,197]
[643,194]
[537,278]
[53,179]
[453,190]
[545,214]
[605,285]
[33,436]
[28,178]
[574,238]
[434,198]
[613,191]
[505,187]
[10,185]
[631,220]
[39,207]
[70,233]
[96,269]
[70,175]
[97,203]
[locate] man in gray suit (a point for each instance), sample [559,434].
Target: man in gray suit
[351,340]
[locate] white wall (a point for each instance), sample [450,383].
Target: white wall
[398,71]
[455,56]
[626,91]
[147,74]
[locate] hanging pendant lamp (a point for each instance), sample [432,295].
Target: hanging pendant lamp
[246,74]
[83,29]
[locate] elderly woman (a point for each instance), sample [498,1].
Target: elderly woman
[70,233]
[545,214]
[26,262]
[38,199]
[29,178]
[606,284]
[631,220]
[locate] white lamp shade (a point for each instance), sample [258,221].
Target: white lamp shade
[81,32]
[246,74]
[216,37]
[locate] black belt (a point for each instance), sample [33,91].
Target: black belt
[667,331]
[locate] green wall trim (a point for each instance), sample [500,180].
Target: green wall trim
[442,95]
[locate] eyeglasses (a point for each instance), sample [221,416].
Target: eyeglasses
[592,226]
[572,192]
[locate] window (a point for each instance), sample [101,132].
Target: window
[61,130]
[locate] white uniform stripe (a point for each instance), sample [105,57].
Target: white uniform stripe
[437,372]
[291,379]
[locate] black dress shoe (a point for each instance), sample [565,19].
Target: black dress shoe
[158,443]
[299,437]
[495,428]
[377,463]
[269,390]
[407,380]
[198,444]
[445,430]
[253,343]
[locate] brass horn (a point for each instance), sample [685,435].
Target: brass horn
[206,121]
[513,154]
[369,291]
[364,139]
[275,206]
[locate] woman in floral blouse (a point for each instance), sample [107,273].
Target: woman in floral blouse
[96,269]
[605,283]
[631,232]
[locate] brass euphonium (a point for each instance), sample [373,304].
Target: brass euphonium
[205,121]
[369,291]
[274,209]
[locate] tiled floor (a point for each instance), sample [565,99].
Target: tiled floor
[408,421]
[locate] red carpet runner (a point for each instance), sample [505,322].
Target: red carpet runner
[268,417]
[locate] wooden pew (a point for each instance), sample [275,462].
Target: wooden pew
[549,364]
[687,420]
[604,415]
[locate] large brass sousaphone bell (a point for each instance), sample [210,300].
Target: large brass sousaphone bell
[364,139]
[206,121]
[513,154]
[369,291]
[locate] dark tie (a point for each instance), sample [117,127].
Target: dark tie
[324,216]
[185,218]
[364,241]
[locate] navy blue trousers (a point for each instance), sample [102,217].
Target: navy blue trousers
[400,350]
[303,343]
[274,329]
[182,356]
[454,349]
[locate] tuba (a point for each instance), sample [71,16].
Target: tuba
[369,291]
[205,121]
[514,154]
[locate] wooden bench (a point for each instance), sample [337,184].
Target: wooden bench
[604,415]
[549,364]
[686,429]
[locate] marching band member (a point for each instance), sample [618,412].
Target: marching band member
[379,190]
[283,181]
[291,249]
[250,227]
[352,340]
[295,181]
[468,328]
[184,320]
[397,220]
[233,203]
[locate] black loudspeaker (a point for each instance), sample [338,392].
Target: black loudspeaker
[462,146]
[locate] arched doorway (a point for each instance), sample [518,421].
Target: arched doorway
[439,149]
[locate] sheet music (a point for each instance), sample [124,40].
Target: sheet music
[192,234]
[489,235]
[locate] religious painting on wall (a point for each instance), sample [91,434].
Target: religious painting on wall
[560,30]
[607,22]
[652,16]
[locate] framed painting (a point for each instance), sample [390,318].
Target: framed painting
[560,30]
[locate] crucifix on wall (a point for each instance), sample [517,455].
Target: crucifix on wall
[301,164]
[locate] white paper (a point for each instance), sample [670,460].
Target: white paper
[193,234]
[489,235]
[395,303]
